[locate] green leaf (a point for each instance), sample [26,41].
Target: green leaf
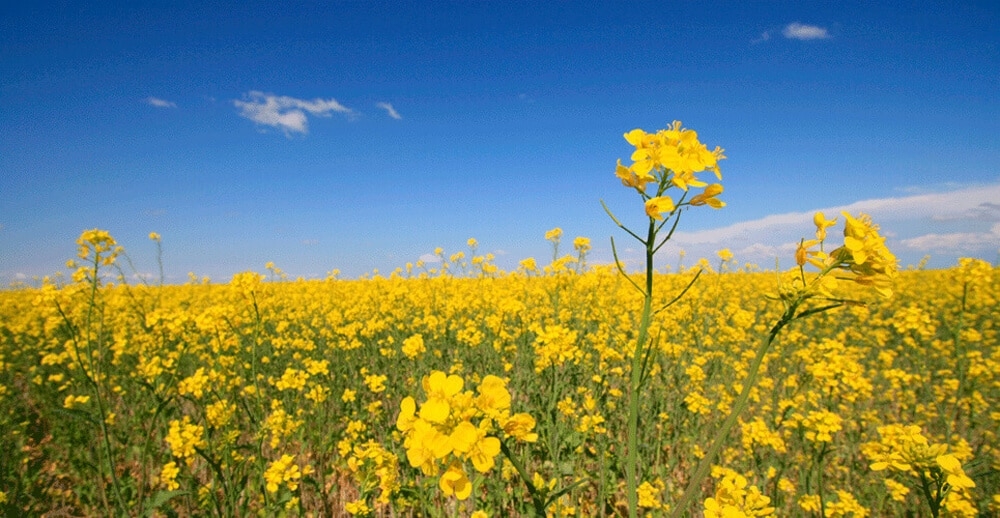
[159,499]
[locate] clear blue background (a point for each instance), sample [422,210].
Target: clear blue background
[123,116]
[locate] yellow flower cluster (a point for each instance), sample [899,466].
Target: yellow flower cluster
[284,471]
[671,157]
[905,449]
[554,346]
[414,346]
[459,425]
[374,468]
[98,247]
[863,258]
[184,437]
[735,498]
[168,476]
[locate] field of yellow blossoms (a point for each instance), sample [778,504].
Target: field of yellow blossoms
[457,389]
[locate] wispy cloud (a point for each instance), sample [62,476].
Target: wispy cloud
[764,36]
[287,113]
[160,103]
[430,258]
[800,31]
[965,221]
[956,242]
[390,110]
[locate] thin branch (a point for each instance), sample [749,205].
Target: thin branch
[619,223]
[614,252]
[669,234]
[681,294]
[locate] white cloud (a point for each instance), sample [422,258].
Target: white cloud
[430,258]
[799,31]
[390,110]
[160,103]
[956,242]
[287,113]
[965,215]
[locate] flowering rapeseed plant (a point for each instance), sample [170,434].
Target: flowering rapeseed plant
[667,159]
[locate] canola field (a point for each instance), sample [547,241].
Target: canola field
[269,396]
[841,387]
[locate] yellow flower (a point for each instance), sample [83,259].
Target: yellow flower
[554,234]
[630,178]
[822,224]
[709,197]
[865,255]
[455,482]
[100,244]
[520,427]
[193,385]
[649,496]
[581,244]
[72,401]
[821,425]
[439,388]
[184,437]
[414,346]
[284,471]
[407,411]
[956,475]
[168,476]
[659,205]
[357,507]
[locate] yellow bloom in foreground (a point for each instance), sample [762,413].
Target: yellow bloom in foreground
[439,388]
[658,206]
[520,427]
[956,475]
[454,482]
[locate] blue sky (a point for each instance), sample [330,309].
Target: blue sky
[362,135]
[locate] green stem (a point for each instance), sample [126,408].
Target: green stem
[631,464]
[536,498]
[933,502]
